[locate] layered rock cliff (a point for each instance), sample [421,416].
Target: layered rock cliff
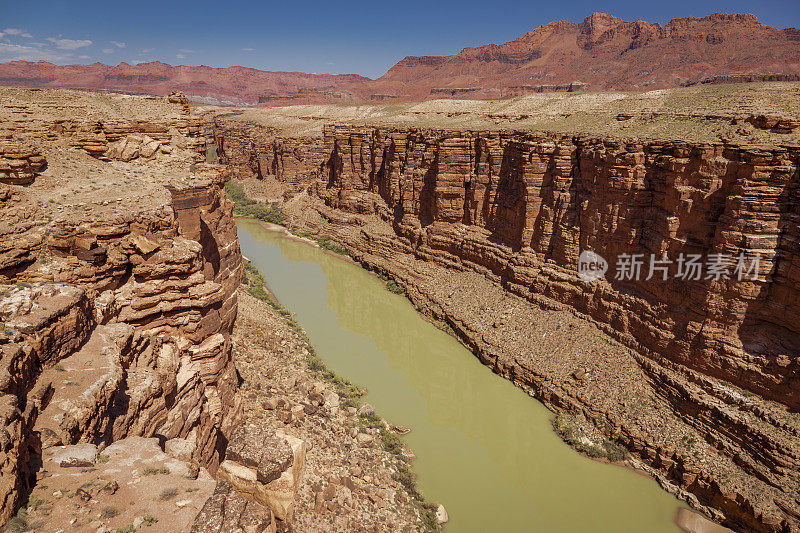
[514,203]
[714,357]
[117,311]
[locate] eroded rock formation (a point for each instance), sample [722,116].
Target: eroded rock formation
[116,320]
[19,163]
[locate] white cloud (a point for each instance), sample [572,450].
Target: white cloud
[146,50]
[15,52]
[1,34]
[180,56]
[185,51]
[17,31]
[248,49]
[108,50]
[83,57]
[118,45]
[69,44]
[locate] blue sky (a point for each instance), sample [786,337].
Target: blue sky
[337,36]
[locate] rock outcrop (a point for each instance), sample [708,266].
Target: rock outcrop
[266,466]
[116,321]
[228,510]
[19,162]
[134,146]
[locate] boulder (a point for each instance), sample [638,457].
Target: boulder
[265,466]
[227,510]
[691,522]
[182,449]
[132,147]
[441,515]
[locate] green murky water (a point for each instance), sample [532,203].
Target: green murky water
[484,448]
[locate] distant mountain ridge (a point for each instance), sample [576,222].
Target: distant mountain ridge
[601,53]
[228,85]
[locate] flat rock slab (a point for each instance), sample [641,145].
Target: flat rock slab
[75,455]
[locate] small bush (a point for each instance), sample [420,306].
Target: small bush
[35,502]
[326,243]
[151,470]
[392,443]
[168,494]
[573,430]
[17,524]
[370,419]
[395,287]
[109,512]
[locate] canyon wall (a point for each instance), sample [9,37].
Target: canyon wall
[522,207]
[518,208]
[156,295]
[116,311]
[256,151]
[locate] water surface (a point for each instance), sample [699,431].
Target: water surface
[485,449]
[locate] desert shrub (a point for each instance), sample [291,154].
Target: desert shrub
[17,524]
[326,243]
[392,443]
[168,494]
[151,470]
[395,287]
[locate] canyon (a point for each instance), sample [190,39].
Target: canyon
[139,346]
[480,210]
[603,52]
[120,280]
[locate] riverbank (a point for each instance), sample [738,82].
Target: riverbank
[358,471]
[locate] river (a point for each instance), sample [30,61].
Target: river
[485,449]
